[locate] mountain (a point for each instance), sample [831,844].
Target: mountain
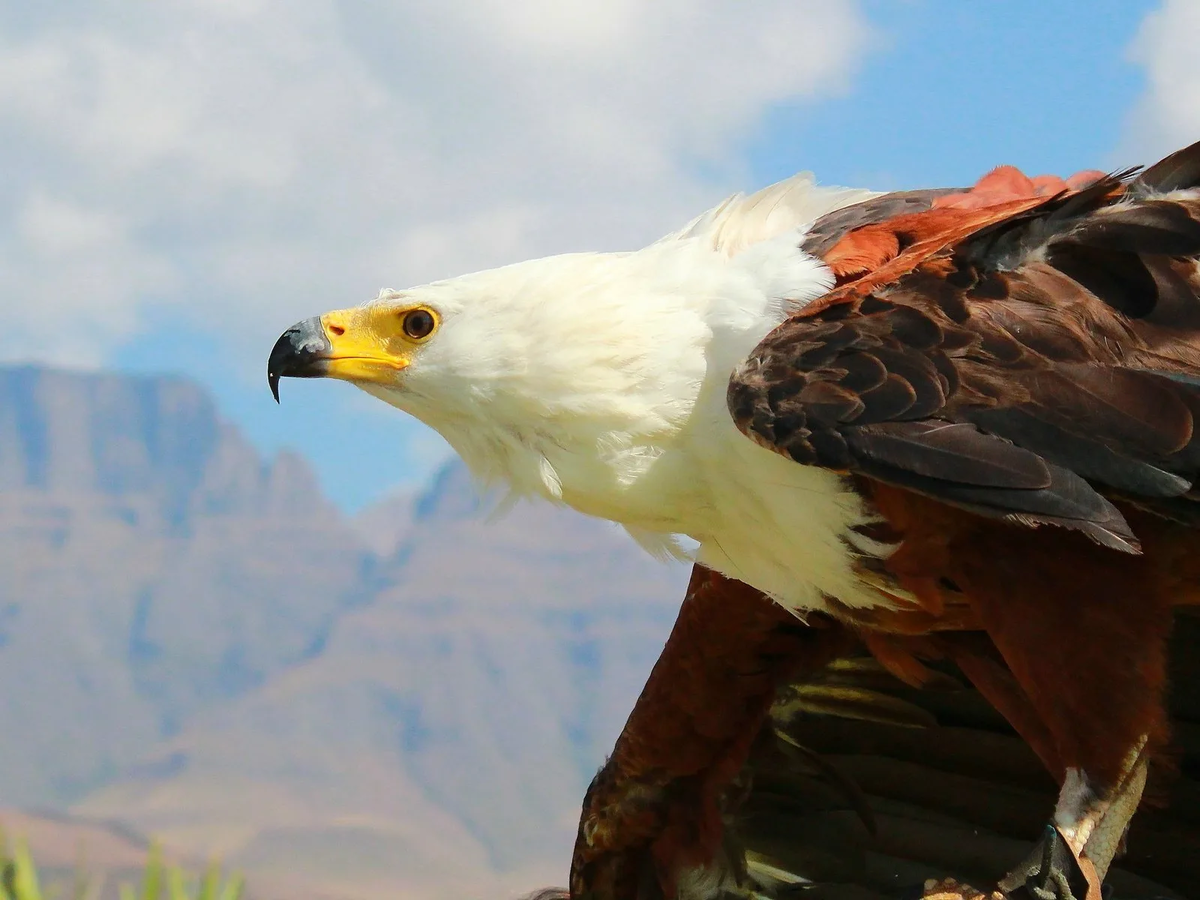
[197,645]
[385,524]
[147,558]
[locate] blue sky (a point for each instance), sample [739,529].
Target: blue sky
[225,235]
[953,89]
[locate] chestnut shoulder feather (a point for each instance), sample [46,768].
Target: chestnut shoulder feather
[1031,357]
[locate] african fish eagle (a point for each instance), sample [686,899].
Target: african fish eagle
[955,424]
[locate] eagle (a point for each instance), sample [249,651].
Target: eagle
[947,428]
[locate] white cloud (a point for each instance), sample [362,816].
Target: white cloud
[1167,116]
[67,277]
[254,161]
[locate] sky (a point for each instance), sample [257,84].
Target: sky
[180,180]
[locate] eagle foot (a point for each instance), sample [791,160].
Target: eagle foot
[1051,872]
[951,889]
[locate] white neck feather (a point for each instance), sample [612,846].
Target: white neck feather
[573,376]
[599,380]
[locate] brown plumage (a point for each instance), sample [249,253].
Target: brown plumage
[856,784]
[1011,376]
[654,813]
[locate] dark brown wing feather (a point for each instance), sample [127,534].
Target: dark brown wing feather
[859,787]
[1029,359]
[901,784]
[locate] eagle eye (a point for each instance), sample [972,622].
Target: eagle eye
[419,323]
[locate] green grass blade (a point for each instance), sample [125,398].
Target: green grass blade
[233,887]
[210,884]
[25,880]
[19,880]
[152,878]
[176,884]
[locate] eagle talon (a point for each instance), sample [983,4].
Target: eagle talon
[1050,872]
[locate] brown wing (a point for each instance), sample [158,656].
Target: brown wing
[1025,358]
[896,785]
[653,813]
[859,787]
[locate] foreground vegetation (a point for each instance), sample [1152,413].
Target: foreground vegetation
[160,881]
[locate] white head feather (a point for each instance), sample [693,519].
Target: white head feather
[599,380]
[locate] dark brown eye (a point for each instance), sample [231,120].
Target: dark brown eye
[419,324]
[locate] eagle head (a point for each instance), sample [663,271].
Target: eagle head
[531,369]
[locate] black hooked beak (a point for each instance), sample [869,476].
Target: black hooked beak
[301,352]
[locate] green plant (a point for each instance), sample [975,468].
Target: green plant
[19,877]
[19,880]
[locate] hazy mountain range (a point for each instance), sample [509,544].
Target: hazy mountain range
[196,644]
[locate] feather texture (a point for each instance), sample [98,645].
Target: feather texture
[1024,354]
[857,786]
[1028,344]
[973,441]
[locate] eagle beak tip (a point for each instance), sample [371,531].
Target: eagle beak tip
[301,352]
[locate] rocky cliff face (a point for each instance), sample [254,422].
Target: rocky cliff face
[148,569]
[194,642]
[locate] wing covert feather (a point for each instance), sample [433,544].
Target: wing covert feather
[1029,359]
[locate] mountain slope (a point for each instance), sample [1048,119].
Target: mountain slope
[447,730]
[150,566]
[195,643]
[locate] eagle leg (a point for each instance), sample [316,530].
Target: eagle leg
[1050,872]
[1073,856]
[1076,849]
[1086,644]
